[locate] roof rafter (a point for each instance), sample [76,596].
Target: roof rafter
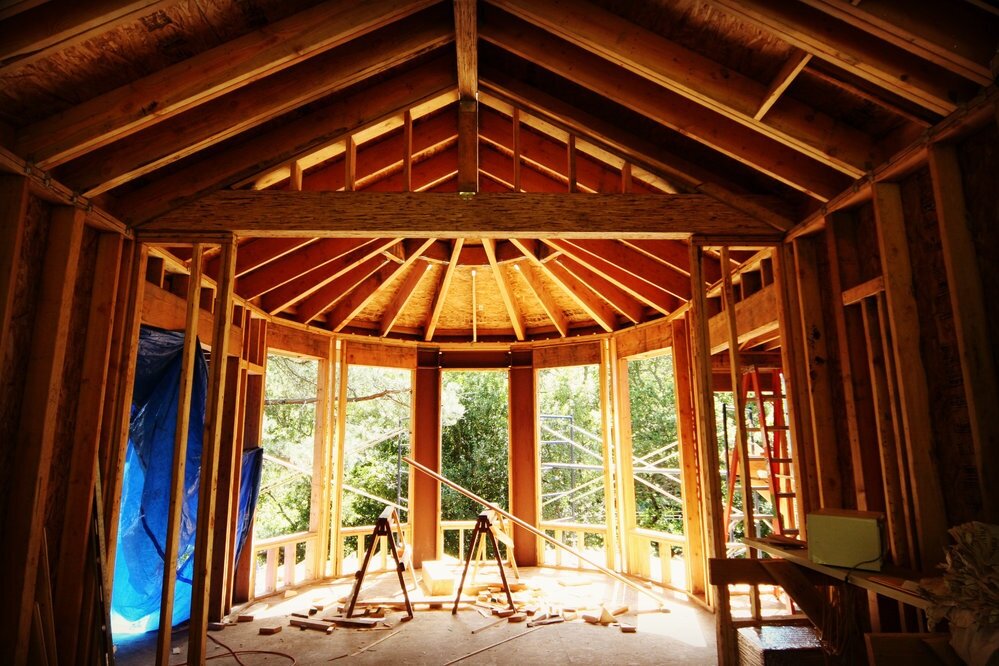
[505,289]
[618,298]
[402,296]
[447,275]
[297,263]
[226,116]
[339,288]
[666,107]
[204,77]
[697,78]
[254,253]
[532,277]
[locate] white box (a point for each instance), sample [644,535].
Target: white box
[844,538]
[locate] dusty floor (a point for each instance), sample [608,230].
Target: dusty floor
[684,635]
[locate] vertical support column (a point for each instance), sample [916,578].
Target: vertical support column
[13,208]
[516,150]
[820,390]
[319,517]
[524,479]
[795,385]
[927,497]
[609,445]
[72,558]
[964,280]
[205,541]
[117,437]
[24,518]
[570,156]
[407,151]
[635,551]
[341,439]
[179,463]
[349,164]
[686,428]
[425,514]
[468,145]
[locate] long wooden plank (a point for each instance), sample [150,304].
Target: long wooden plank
[888,66]
[210,123]
[486,215]
[72,557]
[179,463]
[465,42]
[666,107]
[402,296]
[36,34]
[698,78]
[964,280]
[913,391]
[204,77]
[35,437]
[205,540]
[346,115]
[505,289]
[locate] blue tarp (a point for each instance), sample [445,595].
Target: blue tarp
[138,575]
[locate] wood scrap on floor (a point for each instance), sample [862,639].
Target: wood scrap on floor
[318,625]
[269,631]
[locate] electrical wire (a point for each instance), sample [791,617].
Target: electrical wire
[235,654]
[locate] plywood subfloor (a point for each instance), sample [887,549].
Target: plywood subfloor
[685,635]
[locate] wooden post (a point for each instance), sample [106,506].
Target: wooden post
[319,516]
[741,433]
[704,410]
[693,550]
[117,437]
[796,383]
[524,478]
[13,208]
[407,151]
[205,541]
[468,145]
[964,280]
[608,450]
[927,497]
[73,550]
[35,438]
[349,164]
[179,464]
[341,442]
[635,551]
[425,511]
[820,391]
[516,150]
[570,156]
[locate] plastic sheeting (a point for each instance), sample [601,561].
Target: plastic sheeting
[145,500]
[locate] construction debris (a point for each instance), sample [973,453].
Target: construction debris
[628,628]
[217,626]
[318,625]
[244,618]
[270,631]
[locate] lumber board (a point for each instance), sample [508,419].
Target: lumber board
[208,487]
[426,493]
[204,77]
[13,207]
[913,391]
[964,281]
[754,316]
[700,79]
[35,437]
[179,462]
[429,215]
[524,479]
[166,310]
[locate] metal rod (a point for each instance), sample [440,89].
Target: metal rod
[531,528]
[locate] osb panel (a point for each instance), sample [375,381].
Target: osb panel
[979,157]
[15,356]
[457,313]
[415,314]
[130,52]
[954,454]
[716,35]
[62,453]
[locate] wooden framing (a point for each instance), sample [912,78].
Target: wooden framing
[913,393]
[525,481]
[33,444]
[426,499]
[13,207]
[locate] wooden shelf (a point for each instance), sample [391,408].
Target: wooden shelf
[875,581]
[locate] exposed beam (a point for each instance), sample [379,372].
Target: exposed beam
[339,288]
[782,81]
[36,34]
[343,117]
[860,53]
[295,264]
[532,277]
[359,298]
[466,45]
[320,278]
[204,77]
[278,213]
[505,289]
[698,78]
[953,35]
[666,107]
[256,252]
[403,295]
[207,124]
[652,295]
[447,275]
[677,255]
[630,147]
